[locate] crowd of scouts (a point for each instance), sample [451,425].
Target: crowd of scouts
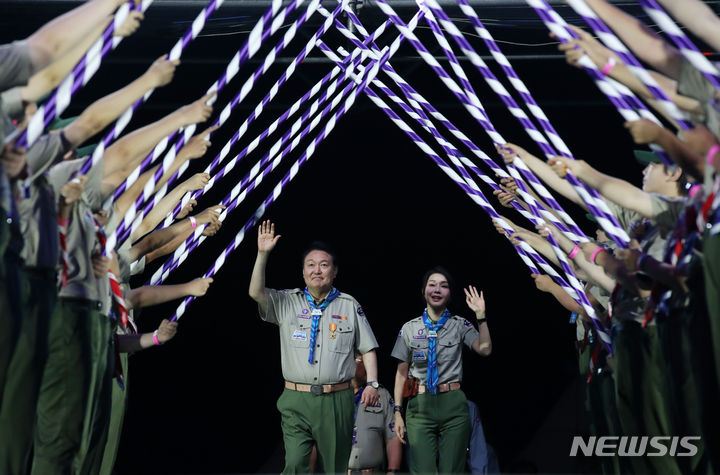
[659,298]
[66,328]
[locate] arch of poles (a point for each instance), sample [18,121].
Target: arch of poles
[357,72]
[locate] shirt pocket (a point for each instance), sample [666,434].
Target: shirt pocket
[448,347]
[300,334]
[342,339]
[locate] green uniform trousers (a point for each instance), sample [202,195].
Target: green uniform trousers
[17,416]
[325,420]
[642,404]
[117,415]
[682,389]
[438,430]
[66,385]
[97,415]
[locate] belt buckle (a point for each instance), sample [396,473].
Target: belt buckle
[316,389]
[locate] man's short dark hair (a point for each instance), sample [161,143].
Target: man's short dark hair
[320,246]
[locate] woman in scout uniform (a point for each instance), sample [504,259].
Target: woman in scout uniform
[429,349]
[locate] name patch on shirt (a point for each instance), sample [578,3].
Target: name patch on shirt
[299,335]
[305,314]
[419,355]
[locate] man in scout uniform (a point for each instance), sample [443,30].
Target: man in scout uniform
[321,330]
[374,445]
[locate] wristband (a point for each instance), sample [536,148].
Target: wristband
[399,409]
[711,153]
[574,252]
[608,66]
[193,221]
[155,338]
[481,321]
[595,253]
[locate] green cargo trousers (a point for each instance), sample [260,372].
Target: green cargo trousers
[17,415]
[438,429]
[325,420]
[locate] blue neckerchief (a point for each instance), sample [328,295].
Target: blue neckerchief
[432,369]
[317,313]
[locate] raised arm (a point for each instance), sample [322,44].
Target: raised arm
[136,342]
[149,295]
[266,243]
[646,45]
[698,17]
[102,112]
[50,77]
[54,39]
[645,131]
[168,203]
[616,190]
[545,284]
[125,154]
[482,345]
[165,241]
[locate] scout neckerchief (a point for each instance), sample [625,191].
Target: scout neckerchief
[316,314]
[114,285]
[432,369]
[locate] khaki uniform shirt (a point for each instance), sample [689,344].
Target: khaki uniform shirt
[38,210]
[82,239]
[629,306]
[16,65]
[373,428]
[411,347]
[334,351]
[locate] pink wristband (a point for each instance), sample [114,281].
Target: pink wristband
[193,222]
[608,66]
[711,153]
[155,338]
[595,253]
[574,252]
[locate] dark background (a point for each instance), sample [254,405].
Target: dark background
[205,403]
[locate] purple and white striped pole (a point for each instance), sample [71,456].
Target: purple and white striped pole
[456,157]
[509,101]
[124,119]
[687,48]
[83,71]
[620,96]
[613,42]
[472,105]
[286,179]
[191,243]
[471,189]
[592,199]
[320,85]
[129,222]
[257,36]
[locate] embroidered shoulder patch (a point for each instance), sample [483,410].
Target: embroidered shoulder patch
[360,311]
[466,323]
